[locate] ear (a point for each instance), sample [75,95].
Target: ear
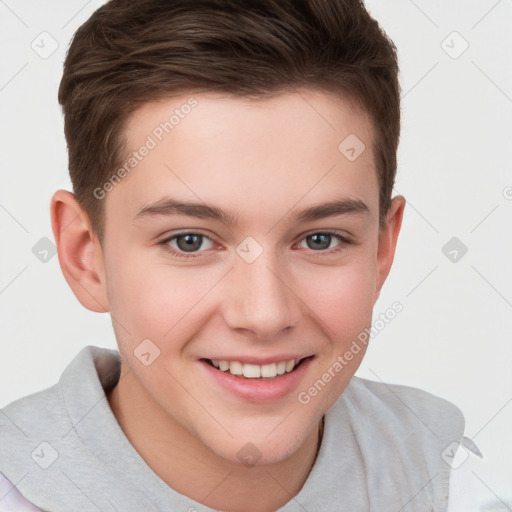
[388,236]
[79,250]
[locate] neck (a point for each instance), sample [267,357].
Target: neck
[192,469]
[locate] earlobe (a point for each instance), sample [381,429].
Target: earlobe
[388,238]
[79,251]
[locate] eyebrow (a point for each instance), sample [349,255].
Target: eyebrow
[169,206]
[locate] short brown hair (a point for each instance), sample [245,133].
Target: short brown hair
[133,51]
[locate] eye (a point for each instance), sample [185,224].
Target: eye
[190,244]
[183,243]
[323,240]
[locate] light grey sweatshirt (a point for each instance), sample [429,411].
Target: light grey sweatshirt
[384,449]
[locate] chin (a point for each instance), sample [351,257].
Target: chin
[259,451]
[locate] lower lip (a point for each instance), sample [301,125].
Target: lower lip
[260,390]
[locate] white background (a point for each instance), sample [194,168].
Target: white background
[453,337]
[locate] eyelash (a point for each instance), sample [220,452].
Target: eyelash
[344,241]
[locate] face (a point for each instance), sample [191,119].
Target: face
[243,240]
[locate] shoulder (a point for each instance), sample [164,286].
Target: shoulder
[25,417]
[28,426]
[47,411]
[11,499]
[430,415]
[404,437]
[464,493]
[39,432]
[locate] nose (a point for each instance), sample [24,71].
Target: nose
[259,298]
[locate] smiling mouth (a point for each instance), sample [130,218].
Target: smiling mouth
[256,371]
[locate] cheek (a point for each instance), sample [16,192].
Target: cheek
[150,299]
[345,309]
[343,298]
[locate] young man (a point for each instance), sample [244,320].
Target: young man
[232,166]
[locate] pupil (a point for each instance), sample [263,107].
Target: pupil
[322,240]
[192,242]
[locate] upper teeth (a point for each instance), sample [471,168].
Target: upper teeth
[255,371]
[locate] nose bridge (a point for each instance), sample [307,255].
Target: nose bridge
[259,299]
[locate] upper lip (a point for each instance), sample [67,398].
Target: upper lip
[260,360]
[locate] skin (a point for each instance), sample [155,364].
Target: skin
[263,161]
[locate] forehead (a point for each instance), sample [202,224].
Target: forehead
[309,114]
[252,154]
